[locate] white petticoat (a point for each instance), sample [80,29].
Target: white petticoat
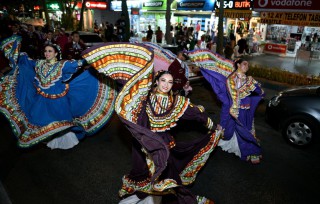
[231,145]
[148,200]
[66,141]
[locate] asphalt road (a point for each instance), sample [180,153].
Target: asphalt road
[92,171]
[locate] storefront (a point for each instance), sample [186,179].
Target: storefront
[153,14]
[290,25]
[193,12]
[238,14]
[134,10]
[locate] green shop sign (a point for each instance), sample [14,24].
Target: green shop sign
[154,5]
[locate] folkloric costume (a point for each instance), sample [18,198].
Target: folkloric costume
[161,165]
[240,96]
[39,101]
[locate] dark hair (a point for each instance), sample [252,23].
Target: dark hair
[57,49]
[236,62]
[75,32]
[158,74]
[184,54]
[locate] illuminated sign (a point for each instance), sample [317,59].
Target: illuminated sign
[153,4]
[287,5]
[291,18]
[232,13]
[96,5]
[235,4]
[36,8]
[135,11]
[275,48]
[54,6]
[191,4]
[116,5]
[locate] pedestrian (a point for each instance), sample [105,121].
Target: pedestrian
[42,104]
[62,39]
[162,110]
[228,51]
[48,39]
[74,48]
[149,33]
[240,95]
[180,73]
[108,32]
[243,46]
[31,43]
[121,28]
[159,35]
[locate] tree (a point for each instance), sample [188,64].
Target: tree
[46,12]
[124,8]
[220,29]
[80,26]
[168,36]
[67,8]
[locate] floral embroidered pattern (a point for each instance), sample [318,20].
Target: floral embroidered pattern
[162,119]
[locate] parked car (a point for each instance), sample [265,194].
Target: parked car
[89,39]
[296,112]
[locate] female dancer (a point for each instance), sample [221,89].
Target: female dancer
[240,95]
[161,166]
[41,102]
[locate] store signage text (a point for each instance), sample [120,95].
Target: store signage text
[153,4]
[299,19]
[231,13]
[234,4]
[287,4]
[191,4]
[116,5]
[275,48]
[96,5]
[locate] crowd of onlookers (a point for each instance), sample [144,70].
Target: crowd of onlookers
[34,39]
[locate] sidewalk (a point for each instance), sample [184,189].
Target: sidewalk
[301,66]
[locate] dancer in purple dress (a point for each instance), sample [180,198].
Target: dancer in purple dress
[240,95]
[161,166]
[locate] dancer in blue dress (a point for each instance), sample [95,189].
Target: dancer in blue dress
[43,103]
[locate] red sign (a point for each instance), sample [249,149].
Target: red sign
[94,5]
[287,5]
[275,48]
[235,4]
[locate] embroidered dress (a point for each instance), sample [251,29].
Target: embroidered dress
[40,100]
[161,166]
[240,96]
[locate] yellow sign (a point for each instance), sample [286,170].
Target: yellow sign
[233,13]
[291,18]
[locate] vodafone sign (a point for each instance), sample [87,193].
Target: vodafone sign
[275,48]
[96,5]
[287,5]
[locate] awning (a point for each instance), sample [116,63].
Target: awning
[193,14]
